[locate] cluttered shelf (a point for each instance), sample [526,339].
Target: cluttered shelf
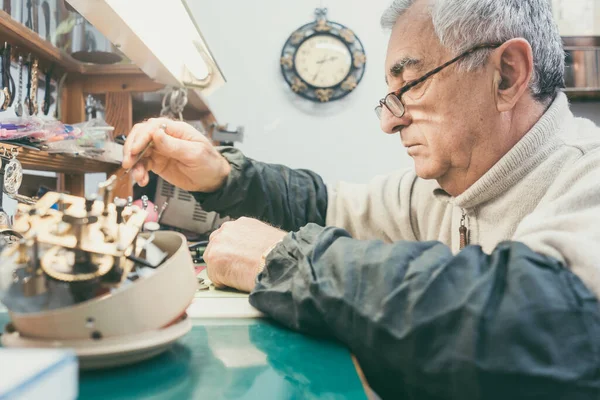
[29,41]
[120,77]
[44,161]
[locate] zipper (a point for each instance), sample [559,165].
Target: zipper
[463,232]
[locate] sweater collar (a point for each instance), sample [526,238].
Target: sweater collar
[525,156]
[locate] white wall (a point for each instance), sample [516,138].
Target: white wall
[341,140]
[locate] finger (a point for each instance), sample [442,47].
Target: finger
[127,158]
[143,137]
[170,138]
[188,132]
[135,159]
[169,146]
[180,130]
[136,142]
[139,175]
[140,172]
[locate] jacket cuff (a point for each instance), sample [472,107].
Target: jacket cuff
[286,254]
[221,198]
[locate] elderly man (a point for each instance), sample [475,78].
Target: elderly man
[474,276]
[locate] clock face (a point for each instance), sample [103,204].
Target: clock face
[323,61]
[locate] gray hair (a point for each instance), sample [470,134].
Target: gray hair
[462,24]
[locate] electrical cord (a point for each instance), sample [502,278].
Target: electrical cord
[197,251]
[199,244]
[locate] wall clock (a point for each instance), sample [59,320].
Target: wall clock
[323,61]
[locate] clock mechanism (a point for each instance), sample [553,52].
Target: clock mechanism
[91,275]
[323,61]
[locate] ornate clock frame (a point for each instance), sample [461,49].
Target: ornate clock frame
[322,26]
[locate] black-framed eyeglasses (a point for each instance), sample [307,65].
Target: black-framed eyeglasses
[393,101]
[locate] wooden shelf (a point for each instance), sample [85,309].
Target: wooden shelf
[43,161]
[111,69]
[27,41]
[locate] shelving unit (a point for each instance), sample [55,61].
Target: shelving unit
[583,95]
[115,83]
[43,161]
[18,35]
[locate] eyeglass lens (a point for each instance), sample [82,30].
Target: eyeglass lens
[394,104]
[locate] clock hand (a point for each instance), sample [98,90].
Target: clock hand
[320,62]
[333,58]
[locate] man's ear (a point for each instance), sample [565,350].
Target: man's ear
[513,62]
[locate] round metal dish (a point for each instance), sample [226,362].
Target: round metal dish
[110,352]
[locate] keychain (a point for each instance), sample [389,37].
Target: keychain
[19,105]
[173,103]
[34,87]
[13,173]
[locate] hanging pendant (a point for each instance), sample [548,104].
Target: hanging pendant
[4,220]
[34,88]
[13,176]
[463,233]
[19,109]
[6,102]
[27,107]
[19,104]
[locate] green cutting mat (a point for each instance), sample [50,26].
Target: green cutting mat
[236,359]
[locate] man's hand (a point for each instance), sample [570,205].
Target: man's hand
[234,252]
[180,154]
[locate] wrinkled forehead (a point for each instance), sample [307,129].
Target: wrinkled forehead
[413,42]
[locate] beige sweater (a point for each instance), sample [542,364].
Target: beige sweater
[545,192]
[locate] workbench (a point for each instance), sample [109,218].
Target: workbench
[250,358]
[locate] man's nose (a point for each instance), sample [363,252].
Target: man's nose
[392,124]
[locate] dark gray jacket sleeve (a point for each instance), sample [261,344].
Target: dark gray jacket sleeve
[427,324]
[284,197]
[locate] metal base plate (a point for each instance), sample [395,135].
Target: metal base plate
[108,352]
